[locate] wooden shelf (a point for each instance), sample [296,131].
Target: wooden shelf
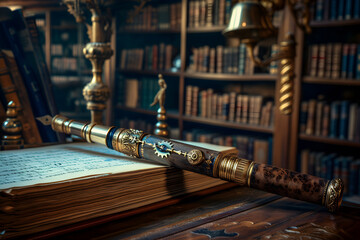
[170,114]
[328,140]
[150,72]
[226,124]
[231,77]
[145,31]
[206,29]
[335,23]
[327,81]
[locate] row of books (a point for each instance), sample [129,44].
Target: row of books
[233,60]
[336,119]
[137,93]
[64,64]
[155,57]
[336,10]
[334,60]
[332,165]
[61,80]
[161,17]
[26,80]
[74,50]
[233,107]
[251,148]
[208,13]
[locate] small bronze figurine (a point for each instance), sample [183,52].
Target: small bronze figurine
[12,130]
[161,126]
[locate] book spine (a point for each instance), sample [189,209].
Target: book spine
[344,119]
[44,75]
[344,60]
[188,100]
[341,10]
[39,107]
[209,102]
[30,130]
[314,60]
[238,108]
[328,60]
[232,107]
[321,61]
[303,116]
[336,61]
[319,16]
[311,117]
[348,9]
[334,119]
[245,109]
[334,9]
[325,121]
[352,61]
[352,121]
[318,117]
[356,12]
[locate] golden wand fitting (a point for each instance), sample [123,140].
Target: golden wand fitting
[226,166]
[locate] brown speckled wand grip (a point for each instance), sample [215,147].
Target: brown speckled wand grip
[296,185]
[280,181]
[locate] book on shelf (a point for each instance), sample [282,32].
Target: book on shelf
[155,57]
[17,38]
[13,89]
[71,183]
[335,119]
[152,18]
[336,10]
[132,92]
[252,148]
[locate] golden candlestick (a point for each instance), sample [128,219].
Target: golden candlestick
[96,93]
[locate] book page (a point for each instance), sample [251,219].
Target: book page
[19,168]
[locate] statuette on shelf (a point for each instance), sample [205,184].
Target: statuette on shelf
[161,127]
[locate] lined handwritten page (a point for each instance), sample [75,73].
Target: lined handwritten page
[63,162]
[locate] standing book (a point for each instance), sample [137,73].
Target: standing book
[12,30]
[12,81]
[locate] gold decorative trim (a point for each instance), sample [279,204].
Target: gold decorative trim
[242,171]
[249,172]
[232,168]
[324,193]
[128,142]
[87,132]
[195,157]
[334,194]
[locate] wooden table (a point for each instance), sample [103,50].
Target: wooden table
[236,213]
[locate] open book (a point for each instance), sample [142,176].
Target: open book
[48,187]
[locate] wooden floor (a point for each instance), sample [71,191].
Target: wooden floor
[236,213]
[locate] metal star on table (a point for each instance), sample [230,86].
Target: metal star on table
[214,233]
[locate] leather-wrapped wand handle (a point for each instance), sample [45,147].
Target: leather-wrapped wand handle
[226,166]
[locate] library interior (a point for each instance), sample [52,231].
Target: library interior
[182,119]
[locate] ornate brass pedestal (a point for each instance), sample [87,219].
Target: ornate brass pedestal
[96,93]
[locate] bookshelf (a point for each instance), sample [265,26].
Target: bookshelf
[63,40]
[185,36]
[325,139]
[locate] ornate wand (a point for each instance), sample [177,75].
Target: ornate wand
[226,166]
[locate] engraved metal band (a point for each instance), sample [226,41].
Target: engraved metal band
[234,169]
[334,194]
[127,141]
